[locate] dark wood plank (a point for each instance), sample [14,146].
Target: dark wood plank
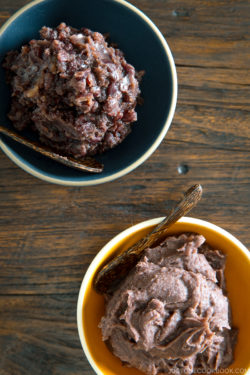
[39,339]
[49,234]
[203,33]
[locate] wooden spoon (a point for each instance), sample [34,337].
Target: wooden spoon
[88,164]
[114,271]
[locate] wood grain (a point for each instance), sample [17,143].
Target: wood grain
[49,234]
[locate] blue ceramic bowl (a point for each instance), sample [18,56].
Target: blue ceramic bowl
[143,46]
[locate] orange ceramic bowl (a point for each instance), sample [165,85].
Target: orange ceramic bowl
[91,306]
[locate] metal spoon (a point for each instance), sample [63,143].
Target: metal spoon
[88,164]
[113,272]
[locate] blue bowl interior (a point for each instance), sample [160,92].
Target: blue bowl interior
[142,48]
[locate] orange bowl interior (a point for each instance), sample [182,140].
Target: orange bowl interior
[238,285]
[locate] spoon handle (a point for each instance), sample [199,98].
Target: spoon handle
[118,267]
[88,164]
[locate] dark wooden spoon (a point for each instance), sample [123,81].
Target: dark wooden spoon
[114,271]
[88,164]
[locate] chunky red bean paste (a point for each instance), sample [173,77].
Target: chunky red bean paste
[74,89]
[171,314]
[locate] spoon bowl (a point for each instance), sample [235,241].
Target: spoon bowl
[113,272]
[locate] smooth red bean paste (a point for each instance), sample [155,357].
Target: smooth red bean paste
[171,314]
[74,89]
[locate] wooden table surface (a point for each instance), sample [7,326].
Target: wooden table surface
[49,234]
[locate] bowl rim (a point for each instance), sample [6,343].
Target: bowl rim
[125,233]
[96,181]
